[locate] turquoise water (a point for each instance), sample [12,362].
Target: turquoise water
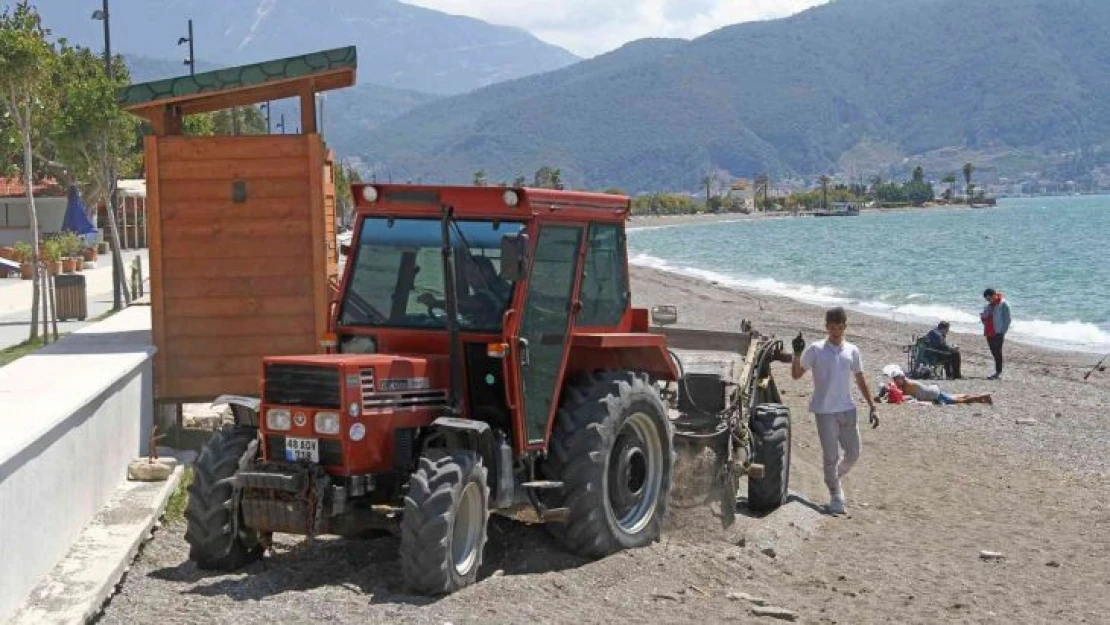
[1049,256]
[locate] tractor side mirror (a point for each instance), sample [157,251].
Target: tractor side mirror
[514,256]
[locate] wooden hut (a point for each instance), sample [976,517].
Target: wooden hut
[241,228]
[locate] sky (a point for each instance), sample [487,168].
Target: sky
[591,27]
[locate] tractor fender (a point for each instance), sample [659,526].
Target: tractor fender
[245,409]
[476,436]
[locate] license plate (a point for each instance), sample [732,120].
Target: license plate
[297,449]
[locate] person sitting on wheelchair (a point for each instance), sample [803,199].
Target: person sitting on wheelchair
[948,355]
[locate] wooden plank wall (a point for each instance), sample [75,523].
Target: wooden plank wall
[232,282]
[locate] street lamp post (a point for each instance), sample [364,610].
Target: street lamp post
[191,61]
[266,106]
[118,293]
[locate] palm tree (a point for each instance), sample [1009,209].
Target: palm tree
[825,192]
[950,180]
[968,170]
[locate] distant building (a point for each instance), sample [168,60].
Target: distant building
[15,217]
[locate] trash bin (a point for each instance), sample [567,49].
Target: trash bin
[70,297]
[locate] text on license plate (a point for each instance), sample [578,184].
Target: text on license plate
[302,449]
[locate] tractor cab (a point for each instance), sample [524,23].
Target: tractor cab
[486,357]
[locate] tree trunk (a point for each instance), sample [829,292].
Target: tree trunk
[34,218]
[117,254]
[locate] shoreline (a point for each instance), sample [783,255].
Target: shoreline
[656,221]
[782,316]
[873,309]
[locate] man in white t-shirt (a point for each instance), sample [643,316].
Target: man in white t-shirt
[834,362]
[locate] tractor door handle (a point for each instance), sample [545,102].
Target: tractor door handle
[522,346]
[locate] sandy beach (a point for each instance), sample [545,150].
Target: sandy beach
[934,488]
[936,485]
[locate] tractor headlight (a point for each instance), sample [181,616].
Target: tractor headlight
[278,419]
[357,432]
[327,423]
[369,194]
[510,198]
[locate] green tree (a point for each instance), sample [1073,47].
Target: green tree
[918,174]
[548,178]
[968,170]
[345,176]
[25,67]
[480,178]
[90,134]
[918,192]
[241,120]
[950,180]
[519,182]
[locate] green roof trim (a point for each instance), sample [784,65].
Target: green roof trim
[257,74]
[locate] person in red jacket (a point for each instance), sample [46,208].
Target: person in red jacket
[996,322]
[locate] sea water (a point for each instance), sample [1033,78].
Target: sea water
[1048,256]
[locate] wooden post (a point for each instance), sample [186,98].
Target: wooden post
[146,230]
[123,220]
[44,274]
[308,111]
[53,305]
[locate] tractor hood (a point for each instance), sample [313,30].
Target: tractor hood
[383,382]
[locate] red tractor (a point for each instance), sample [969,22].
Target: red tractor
[486,358]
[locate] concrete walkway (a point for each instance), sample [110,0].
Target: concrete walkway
[15,299]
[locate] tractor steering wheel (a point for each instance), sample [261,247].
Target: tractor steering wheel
[431,303]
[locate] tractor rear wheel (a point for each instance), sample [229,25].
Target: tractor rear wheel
[443,530]
[217,539]
[770,424]
[613,449]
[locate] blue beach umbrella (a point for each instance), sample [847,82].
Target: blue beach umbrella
[76,220]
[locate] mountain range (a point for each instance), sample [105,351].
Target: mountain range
[846,86]
[400,46]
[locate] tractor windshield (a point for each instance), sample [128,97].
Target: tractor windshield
[397,275]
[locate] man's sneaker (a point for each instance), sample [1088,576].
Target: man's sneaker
[994,376]
[836,505]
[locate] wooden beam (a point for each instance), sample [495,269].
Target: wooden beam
[245,96]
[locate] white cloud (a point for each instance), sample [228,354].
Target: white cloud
[590,27]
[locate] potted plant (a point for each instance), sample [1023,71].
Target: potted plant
[89,253]
[54,260]
[102,247]
[69,244]
[23,257]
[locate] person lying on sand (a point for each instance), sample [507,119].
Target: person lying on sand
[931,392]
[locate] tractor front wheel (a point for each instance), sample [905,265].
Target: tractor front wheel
[770,425]
[217,539]
[613,449]
[443,530]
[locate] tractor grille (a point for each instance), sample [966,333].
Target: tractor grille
[302,385]
[331,450]
[403,400]
[393,401]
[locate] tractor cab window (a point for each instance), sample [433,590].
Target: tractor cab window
[604,291]
[397,275]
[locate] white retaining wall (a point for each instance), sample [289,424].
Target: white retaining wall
[71,417]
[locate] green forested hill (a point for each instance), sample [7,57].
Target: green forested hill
[793,96]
